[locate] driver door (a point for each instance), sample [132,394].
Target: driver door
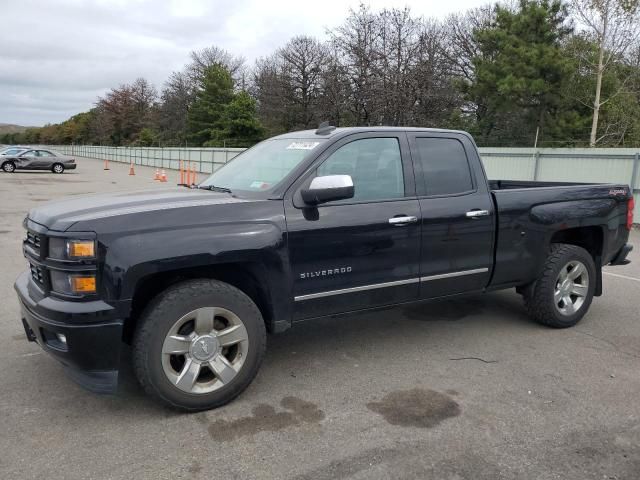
[28,159]
[364,251]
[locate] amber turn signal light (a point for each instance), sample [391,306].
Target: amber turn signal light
[84,284]
[81,249]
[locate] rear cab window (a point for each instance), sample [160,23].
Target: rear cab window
[444,165]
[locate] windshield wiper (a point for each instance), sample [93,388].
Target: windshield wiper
[214,188]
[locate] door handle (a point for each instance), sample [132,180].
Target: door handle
[404,220]
[477,213]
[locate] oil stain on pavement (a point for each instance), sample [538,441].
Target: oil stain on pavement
[416,408]
[265,418]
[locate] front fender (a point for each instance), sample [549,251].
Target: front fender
[129,258]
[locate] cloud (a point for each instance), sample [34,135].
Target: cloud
[56,57]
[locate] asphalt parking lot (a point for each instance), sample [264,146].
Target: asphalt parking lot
[464,389]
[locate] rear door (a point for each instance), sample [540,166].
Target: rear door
[458,218]
[45,159]
[361,252]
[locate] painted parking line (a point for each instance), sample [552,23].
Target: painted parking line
[622,276]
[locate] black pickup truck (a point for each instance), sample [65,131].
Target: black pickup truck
[301,226]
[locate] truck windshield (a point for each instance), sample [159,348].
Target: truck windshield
[263,166]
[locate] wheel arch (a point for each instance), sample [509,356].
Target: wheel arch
[248,277]
[592,239]
[9,160]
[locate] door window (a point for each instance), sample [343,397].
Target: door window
[44,153]
[374,164]
[444,166]
[30,153]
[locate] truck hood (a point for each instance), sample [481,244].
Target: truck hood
[60,215]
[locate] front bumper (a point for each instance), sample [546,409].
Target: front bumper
[84,336]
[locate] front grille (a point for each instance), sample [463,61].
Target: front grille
[33,239]
[37,273]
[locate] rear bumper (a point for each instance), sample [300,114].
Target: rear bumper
[70,166]
[621,256]
[88,346]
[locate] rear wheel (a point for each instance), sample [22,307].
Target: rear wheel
[9,167]
[57,168]
[199,345]
[563,293]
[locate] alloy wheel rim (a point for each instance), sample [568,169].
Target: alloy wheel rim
[204,350]
[57,168]
[8,167]
[571,288]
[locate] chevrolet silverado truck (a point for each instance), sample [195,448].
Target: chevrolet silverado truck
[303,225]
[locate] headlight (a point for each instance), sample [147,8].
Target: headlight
[73,283]
[67,249]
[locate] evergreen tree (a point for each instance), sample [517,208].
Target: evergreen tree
[205,117]
[519,70]
[240,125]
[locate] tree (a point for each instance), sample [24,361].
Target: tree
[519,69]
[288,84]
[176,99]
[614,25]
[356,41]
[205,117]
[212,56]
[124,111]
[240,125]
[146,137]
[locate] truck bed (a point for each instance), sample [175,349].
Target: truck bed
[528,213]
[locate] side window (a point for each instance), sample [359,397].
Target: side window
[375,165]
[30,153]
[444,166]
[44,153]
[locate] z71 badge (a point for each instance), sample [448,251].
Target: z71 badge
[618,191]
[326,273]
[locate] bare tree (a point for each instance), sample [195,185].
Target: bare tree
[209,56]
[397,56]
[356,42]
[460,46]
[302,61]
[615,26]
[176,97]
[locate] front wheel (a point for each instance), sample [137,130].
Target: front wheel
[199,344]
[563,293]
[9,167]
[57,168]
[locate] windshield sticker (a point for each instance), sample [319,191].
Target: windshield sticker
[257,185]
[303,145]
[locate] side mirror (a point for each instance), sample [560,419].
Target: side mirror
[327,189]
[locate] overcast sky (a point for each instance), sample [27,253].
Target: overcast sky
[58,56]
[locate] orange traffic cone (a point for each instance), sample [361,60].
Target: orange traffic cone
[106,164]
[157,175]
[181,174]
[163,176]
[131,170]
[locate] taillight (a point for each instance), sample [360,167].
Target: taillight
[630,206]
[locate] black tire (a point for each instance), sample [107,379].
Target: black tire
[57,168]
[8,167]
[539,299]
[161,316]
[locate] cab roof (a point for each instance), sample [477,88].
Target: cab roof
[342,131]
